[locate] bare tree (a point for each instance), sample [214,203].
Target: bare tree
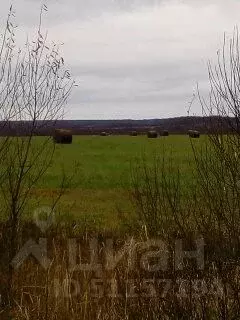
[212,206]
[218,161]
[34,88]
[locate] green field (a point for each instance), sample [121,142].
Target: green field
[105,162]
[100,173]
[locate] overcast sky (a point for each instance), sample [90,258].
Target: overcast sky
[133,58]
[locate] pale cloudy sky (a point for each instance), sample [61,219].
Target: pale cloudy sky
[133,58]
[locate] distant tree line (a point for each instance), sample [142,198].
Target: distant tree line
[179,125]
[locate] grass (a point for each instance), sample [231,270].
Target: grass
[100,170]
[123,292]
[104,162]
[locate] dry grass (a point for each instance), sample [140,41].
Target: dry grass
[123,292]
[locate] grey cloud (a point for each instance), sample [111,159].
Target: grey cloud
[137,83]
[68,10]
[133,58]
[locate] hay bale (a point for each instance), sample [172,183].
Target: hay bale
[194,134]
[133,133]
[62,136]
[152,134]
[164,133]
[103,134]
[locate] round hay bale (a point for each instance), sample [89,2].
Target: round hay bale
[133,133]
[164,133]
[103,134]
[62,136]
[152,134]
[194,134]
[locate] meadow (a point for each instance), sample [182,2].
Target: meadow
[103,262]
[99,170]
